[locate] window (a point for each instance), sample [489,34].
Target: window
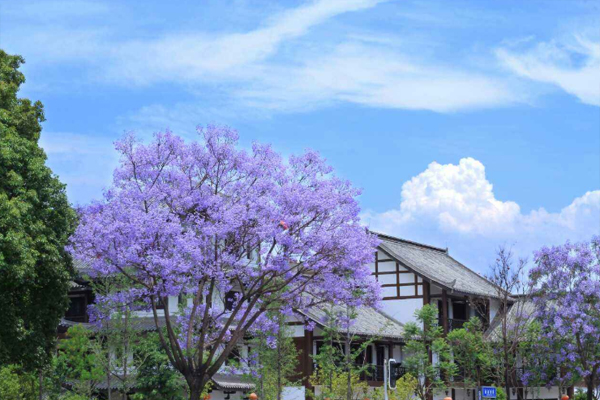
[459,310]
[77,311]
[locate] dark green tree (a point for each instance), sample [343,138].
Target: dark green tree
[35,224]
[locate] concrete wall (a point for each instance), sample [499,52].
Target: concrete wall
[532,394]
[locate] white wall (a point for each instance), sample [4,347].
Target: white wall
[533,394]
[293,393]
[219,395]
[402,310]
[173,309]
[494,307]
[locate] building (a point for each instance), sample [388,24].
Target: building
[411,275]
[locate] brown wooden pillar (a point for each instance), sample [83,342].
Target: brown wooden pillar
[426,293]
[445,311]
[308,362]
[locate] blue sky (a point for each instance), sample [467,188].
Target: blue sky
[468,124]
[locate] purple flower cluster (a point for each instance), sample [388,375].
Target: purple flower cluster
[203,218]
[566,281]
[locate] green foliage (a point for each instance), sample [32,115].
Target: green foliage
[336,386]
[35,224]
[77,363]
[473,355]
[337,371]
[500,394]
[273,363]
[405,389]
[10,384]
[156,378]
[425,339]
[17,384]
[116,353]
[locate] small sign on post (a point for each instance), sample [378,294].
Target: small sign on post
[488,392]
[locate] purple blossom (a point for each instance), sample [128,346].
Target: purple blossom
[566,282]
[200,219]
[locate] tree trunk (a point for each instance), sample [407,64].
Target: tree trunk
[506,375]
[348,365]
[279,380]
[590,386]
[108,383]
[196,391]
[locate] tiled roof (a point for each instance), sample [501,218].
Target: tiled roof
[221,381]
[231,382]
[74,285]
[436,265]
[368,321]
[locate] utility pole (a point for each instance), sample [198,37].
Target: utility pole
[385,379]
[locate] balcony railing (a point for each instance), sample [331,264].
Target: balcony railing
[453,323]
[375,373]
[76,318]
[372,373]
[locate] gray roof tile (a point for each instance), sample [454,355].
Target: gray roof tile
[436,265]
[368,321]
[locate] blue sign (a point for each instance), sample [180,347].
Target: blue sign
[488,392]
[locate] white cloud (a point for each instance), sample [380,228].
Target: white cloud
[574,67]
[204,56]
[277,66]
[455,205]
[376,75]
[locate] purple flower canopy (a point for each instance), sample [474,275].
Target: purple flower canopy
[567,298]
[182,219]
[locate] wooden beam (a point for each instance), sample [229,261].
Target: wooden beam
[445,311]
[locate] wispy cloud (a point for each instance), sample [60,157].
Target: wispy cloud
[298,59]
[201,56]
[279,65]
[377,75]
[574,66]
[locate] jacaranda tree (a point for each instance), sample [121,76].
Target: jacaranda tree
[567,298]
[199,220]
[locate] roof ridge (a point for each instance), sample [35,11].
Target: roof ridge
[384,235]
[480,276]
